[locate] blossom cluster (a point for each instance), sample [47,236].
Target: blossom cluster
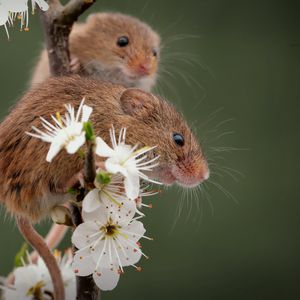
[10,10]
[109,237]
[33,281]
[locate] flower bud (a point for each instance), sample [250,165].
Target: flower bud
[61,215]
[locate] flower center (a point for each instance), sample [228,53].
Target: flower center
[110,230]
[36,290]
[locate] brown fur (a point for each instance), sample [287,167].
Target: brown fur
[94,44]
[29,185]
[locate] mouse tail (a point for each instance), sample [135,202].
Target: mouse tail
[52,239]
[38,243]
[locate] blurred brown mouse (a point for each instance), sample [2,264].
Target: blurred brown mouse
[30,186]
[112,47]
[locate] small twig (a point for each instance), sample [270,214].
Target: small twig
[74,9]
[76,215]
[89,166]
[57,24]
[86,288]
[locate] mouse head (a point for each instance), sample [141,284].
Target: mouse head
[125,44]
[155,122]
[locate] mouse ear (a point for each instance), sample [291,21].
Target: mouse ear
[95,17]
[137,102]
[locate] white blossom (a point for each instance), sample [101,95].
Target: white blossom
[43,5]
[127,160]
[34,281]
[12,9]
[107,241]
[67,132]
[111,194]
[69,279]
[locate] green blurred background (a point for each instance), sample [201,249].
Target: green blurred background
[235,69]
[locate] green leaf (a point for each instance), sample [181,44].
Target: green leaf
[103,177]
[81,153]
[21,256]
[89,131]
[72,191]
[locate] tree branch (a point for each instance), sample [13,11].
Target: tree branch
[75,8]
[57,25]
[89,167]
[86,288]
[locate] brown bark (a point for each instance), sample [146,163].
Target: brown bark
[57,24]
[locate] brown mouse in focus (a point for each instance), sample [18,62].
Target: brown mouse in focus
[112,47]
[30,186]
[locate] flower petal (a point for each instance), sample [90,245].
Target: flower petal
[136,229]
[43,5]
[126,212]
[91,201]
[80,236]
[102,149]
[131,253]
[86,112]
[53,151]
[74,145]
[132,185]
[10,294]
[113,166]
[83,265]
[99,215]
[26,277]
[106,279]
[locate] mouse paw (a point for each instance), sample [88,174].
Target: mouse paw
[75,65]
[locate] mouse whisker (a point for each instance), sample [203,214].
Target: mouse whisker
[202,189]
[223,190]
[178,37]
[178,209]
[233,173]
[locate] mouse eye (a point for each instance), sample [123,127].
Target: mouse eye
[154,52]
[178,139]
[123,41]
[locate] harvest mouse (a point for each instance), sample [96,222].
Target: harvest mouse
[113,47]
[30,186]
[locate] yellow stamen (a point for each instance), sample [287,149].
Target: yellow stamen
[58,117]
[135,153]
[111,198]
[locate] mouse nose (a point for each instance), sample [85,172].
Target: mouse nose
[191,174]
[200,174]
[144,69]
[203,173]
